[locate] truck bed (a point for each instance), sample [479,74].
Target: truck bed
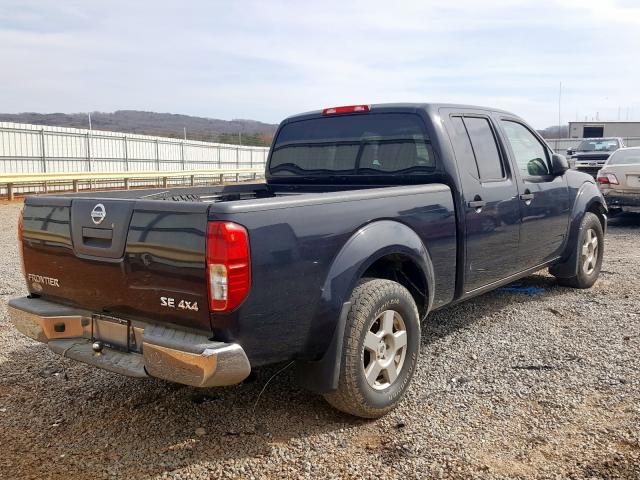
[217,193]
[151,247]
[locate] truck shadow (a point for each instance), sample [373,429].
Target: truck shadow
[62,412]
[537,287]
[625,220]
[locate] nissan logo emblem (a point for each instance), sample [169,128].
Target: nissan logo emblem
[98,213]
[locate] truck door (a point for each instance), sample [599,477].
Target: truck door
[491,206]
[544,198]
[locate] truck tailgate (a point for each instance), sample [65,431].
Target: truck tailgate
[140,259]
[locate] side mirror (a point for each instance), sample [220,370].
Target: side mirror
[570,151]
[537,167]
[559,164]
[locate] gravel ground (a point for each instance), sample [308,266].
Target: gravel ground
[510,385]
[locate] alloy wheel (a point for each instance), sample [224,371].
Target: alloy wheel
[589,252]
[385,349]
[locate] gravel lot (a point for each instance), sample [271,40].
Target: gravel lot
[540,385]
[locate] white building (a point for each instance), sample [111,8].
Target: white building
[604,129]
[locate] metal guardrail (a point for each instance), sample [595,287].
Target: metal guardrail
[12,180]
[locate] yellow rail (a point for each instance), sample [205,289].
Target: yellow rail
[11,180]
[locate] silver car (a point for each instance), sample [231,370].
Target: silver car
[619,180]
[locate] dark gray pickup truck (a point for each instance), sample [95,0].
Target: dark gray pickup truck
[370,218]
[591,154]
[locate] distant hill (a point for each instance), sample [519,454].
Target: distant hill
[552,132]
[152,123]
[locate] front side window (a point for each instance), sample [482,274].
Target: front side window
[530,154]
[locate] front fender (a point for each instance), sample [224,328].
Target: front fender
[588,198]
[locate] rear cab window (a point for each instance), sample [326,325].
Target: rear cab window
[366,144]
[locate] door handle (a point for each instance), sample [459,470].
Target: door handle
[477,204]
[527,196]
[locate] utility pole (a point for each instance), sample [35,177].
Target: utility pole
[560,111]
[89,146]
[185,132]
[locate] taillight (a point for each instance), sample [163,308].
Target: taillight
[228,265]
[346,109]
[607,179]
[20,236]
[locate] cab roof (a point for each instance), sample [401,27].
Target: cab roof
[430,108]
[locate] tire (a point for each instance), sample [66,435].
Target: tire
[380,311]
[589,254]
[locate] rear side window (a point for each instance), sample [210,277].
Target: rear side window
[362,144]
[485,148]
[464,150]
[477,145]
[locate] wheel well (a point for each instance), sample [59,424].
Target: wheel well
[599,210]
[402,269]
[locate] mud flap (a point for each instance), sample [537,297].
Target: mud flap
[321,376]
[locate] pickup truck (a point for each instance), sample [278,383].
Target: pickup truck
[591,154]
[370,218]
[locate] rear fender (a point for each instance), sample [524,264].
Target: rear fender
[368,244]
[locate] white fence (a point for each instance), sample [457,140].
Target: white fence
[39,149]
[560,145]
[28,148]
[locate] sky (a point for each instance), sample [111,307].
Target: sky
[265,60]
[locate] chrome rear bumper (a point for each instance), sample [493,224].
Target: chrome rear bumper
[172,354]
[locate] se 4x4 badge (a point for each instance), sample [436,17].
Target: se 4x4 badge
[181,305]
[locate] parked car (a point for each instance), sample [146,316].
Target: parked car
[619,180]
[371,217]
[591,154]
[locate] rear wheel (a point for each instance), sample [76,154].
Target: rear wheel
[590,252]
[380,350]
